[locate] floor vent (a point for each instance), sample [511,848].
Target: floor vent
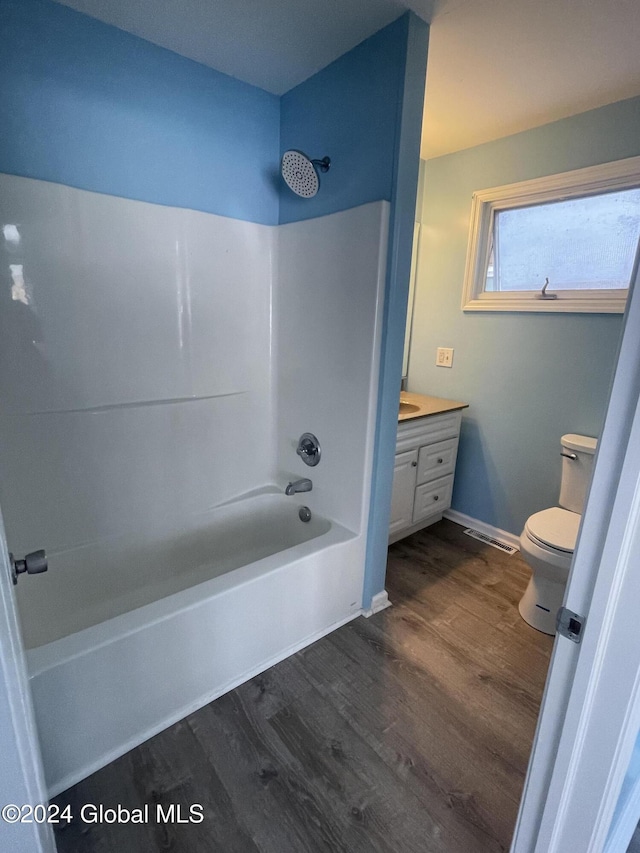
[495,543]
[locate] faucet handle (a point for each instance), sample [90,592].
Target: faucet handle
[309,449]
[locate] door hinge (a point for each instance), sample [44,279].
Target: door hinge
[570,624]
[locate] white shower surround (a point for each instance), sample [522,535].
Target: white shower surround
[166,365]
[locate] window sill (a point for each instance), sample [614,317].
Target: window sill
[597,303]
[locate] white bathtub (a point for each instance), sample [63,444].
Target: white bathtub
[164,636]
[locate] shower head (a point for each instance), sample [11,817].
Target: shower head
[300,172]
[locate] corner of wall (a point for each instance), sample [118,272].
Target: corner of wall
[406,158]
[349,112]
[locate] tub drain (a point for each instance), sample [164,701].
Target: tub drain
[304,513]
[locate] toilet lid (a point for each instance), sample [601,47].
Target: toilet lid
[555,527]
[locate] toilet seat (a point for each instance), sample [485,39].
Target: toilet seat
[554,528]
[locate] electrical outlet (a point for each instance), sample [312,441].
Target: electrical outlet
[444,357]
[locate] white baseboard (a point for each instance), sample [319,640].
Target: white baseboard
[483,527]
[379,602]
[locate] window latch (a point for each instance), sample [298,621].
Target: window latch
[543,293]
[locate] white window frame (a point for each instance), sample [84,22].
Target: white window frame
[607,177]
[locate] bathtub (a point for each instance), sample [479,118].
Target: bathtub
[240,590]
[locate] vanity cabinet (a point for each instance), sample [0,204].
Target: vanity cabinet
[426,450]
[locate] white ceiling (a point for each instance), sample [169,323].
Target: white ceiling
[273,44]
[495,66]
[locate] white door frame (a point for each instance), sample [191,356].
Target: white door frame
[590,712]
[21,776]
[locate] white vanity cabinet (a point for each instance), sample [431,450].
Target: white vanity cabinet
[426,450]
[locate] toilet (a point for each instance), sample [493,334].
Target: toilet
[549,537]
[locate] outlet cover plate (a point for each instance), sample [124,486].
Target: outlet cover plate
[444,357]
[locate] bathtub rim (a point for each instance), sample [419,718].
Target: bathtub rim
[80,643]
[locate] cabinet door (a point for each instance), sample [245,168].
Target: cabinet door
[404,485]
[432,498]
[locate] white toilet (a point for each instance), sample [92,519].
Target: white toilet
[549,537]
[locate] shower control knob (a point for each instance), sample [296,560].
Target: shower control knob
[309,449]
[33,564]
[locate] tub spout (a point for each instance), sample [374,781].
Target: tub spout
[303,485]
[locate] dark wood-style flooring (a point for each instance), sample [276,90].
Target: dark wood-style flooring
[406,732]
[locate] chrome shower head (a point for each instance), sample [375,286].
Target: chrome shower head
[300,172]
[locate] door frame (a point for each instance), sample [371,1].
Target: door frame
[590,712]
[22,778]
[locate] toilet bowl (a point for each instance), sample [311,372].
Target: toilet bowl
[547,544]
[549,537]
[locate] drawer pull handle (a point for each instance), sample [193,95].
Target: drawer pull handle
[414,464]
[440,460]
[436,497]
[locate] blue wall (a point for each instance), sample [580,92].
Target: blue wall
[88,105]
[528,378]
[349,112]
[401,227]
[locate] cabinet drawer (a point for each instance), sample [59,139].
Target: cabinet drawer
[433,497]
[427,430]
[436,460]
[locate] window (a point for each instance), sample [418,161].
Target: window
[563,243]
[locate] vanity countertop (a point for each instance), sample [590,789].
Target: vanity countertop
[423,405]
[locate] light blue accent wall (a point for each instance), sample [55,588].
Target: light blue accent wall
[406,159]
[349,112]
[529,378]
[88,105]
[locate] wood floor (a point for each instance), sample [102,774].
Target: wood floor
[409,731]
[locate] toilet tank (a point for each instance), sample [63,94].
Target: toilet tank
[577,463]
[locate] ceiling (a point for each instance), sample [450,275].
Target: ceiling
[495,66]
[273,44]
